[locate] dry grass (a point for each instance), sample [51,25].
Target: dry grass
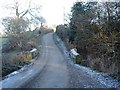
[14,59]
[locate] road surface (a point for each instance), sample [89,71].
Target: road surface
[55,73]
[51,70]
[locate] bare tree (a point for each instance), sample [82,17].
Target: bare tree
[15,27]
[27,9]
[41,20]
[32,12]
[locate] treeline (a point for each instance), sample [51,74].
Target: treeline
[94,29]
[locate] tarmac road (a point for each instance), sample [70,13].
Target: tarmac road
[55,73]
[51,70]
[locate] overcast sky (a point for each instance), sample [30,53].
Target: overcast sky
[51,10]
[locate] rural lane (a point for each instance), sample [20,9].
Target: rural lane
[51,70]
[55,73]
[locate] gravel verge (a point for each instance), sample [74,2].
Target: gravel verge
[84,77]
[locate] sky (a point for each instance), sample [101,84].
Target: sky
[52,10]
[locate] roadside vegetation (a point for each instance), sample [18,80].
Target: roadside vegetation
[94,30]
[20,39]
[14,57]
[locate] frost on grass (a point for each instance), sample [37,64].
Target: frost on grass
[18,71]
[103,78]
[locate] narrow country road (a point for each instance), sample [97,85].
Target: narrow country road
[55,72]
[52,70]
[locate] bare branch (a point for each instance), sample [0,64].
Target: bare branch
[26,10]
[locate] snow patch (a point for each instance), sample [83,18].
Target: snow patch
[33,50]
[13,73]
[103,78]
[18,71]
[74,52]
